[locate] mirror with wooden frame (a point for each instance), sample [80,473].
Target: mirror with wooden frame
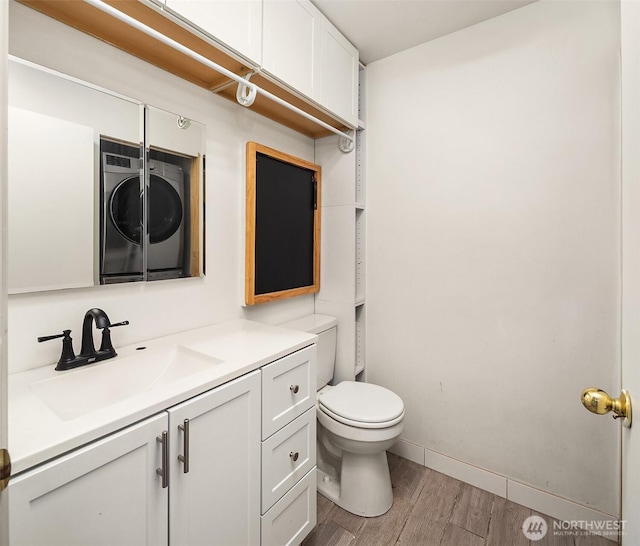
[282,225]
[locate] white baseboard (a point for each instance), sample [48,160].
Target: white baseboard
[408,450]
[582,516]
[546,503]
[473,475]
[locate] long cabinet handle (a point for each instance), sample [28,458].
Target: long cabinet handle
[163,471]
[184,458]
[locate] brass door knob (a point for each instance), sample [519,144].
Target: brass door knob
[598,401]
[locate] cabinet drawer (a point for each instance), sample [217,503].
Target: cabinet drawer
[288,389]
[287,456]
[294,516]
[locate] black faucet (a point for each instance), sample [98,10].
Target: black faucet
[88,353]
[102,321]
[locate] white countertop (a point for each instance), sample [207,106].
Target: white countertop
[37,434]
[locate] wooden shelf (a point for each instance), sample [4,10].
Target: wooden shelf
[102,26]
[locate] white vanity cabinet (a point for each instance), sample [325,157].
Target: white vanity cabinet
[236,24]
[231,466]
[289,448]
[109,492]
[214,484]
[102,494]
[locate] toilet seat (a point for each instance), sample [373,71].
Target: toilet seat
[362,405]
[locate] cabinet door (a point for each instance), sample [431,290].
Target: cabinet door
[218,500]
[103,494]
[235,23]
[338,74]
[291,44]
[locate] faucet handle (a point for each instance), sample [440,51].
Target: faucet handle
[106,346]
[123,323]
[49,338]
[67,355]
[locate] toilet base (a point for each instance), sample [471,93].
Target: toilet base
[363,487]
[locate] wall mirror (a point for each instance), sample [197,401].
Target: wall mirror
[102,188]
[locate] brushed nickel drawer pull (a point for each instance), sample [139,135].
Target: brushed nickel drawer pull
[184,459]
[163,471]
[294,456]
[294,389]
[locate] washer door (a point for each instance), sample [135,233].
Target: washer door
[125,208]
[165,209]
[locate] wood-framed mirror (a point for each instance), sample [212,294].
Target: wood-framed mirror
[282,225]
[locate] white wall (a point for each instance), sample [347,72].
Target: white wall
[4,46]
[493,257]
[160,307]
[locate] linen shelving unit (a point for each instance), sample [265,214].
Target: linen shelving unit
[343,267]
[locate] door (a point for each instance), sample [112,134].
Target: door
[4,46]
[630,51]
[214,495]
[105,493]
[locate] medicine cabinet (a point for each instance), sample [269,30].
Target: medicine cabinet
[102,188]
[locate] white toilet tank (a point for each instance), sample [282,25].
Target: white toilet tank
[325,328]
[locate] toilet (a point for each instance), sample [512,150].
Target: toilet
[357,423]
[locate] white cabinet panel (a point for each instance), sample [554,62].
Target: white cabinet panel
[289,389]
[235,23]
[291,44]
[103,494]
[338,74]
[218,500]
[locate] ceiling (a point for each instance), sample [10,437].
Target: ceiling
[379,28]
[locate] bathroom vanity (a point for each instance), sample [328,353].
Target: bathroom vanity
[206,436]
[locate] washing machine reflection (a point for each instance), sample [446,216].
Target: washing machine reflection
[122,230]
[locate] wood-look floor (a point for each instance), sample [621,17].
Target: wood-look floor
[430,508]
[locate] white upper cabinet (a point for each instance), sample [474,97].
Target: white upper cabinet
[338,74]
[292,41]
[235,23]
[291,44]
[305,51]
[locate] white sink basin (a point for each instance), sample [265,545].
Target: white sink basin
[84,390]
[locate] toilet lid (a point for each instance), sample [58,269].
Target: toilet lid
[363,403]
